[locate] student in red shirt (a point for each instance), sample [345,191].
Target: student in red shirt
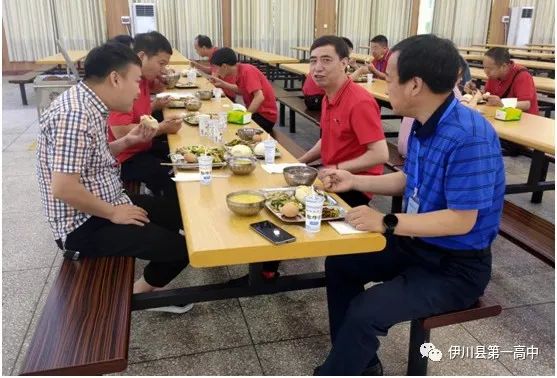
[508,79]
[352,136]
[381,54]
[141,162]
[254,87]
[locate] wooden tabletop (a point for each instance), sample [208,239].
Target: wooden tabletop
[526,63]
[297,68]
[543,84]
[526,48]
[75,56]
[531,131]
[361,57]
[300,48]
[263,56]
[216,237]
[541,45]
[513,53]
[178,58]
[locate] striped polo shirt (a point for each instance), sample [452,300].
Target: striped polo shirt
[460,167]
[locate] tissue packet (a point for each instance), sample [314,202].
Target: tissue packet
[508,114]
[239,117]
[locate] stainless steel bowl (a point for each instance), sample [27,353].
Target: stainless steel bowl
[241,165]
[193,104]
[171,79]
[245,209]
[295,176]
[204,95]
[247,133]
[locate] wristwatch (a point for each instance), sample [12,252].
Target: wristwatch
[390,222]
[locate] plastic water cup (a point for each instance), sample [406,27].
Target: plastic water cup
[270,150]
[314,210]
[205,169]
[204,124]
[217,92]
[216,131]
[192,75]
[369,79]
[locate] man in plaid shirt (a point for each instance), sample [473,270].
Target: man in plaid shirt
[79,178]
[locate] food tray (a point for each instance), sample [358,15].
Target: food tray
[186,86]
[330,203]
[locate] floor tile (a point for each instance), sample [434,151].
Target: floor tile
[20,194]
[18,163]
[234,361]
[20,294]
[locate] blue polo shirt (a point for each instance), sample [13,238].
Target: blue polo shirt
[460,167]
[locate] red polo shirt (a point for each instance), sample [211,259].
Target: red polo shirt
[249,80]
[141,106]
[349,122]
[381,64]
[310,87]
[522,87]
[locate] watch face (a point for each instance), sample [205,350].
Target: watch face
[390,220]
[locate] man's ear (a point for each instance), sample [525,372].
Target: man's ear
[114,79]
[417,85]
[141,55]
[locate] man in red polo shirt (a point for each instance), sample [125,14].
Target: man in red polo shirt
[508,79]
[379,46]
[141,162]
[352,137]
[254,87]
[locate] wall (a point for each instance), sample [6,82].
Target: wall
[115,9]
[325,17]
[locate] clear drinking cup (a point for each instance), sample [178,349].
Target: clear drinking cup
[270,150]
[217,92]
[314,210]
[369,79]
[205,169]
[204,124]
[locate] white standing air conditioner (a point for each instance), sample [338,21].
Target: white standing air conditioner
[520,27]
[144,18]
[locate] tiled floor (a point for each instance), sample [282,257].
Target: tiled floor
[283,334]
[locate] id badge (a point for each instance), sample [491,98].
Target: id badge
[413,203]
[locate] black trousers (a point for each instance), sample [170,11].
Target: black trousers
[417,280]
[146,167]
[158,241]
[263,122]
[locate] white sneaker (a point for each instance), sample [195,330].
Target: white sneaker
[173,309]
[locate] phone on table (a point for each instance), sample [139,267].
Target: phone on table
[272,232]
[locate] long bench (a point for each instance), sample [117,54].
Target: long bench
[28,78]
[296,105]
[530,232]
[84,328]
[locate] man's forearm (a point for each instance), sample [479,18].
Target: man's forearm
[523,105]
[78,197]
[119,145]
[232,87]
[365,161]
[312,155]
[436,223]
[391,184]
[255,104]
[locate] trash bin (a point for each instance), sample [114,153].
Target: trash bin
[48,87]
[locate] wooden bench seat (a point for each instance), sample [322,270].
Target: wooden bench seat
[84,328]
[420,330]
[287,142]
[296,105]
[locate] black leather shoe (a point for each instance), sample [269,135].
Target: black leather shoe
[376,369]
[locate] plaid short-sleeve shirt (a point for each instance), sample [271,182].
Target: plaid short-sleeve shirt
[73,139]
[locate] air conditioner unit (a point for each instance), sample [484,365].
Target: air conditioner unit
[144,18]
[520,27]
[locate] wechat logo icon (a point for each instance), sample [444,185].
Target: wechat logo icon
[428,350]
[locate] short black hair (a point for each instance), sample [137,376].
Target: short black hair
[204,41]
[500,55]
[224,55]
[123,39]
[380,39]
[103,59]
[348,43]
[338,43]
[151,43]
[435,60]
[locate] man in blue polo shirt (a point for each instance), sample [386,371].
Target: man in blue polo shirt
[438,256]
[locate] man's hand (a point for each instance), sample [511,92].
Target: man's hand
[140,134]
[216,81]
[364,218]
[170,126]
[336,180]
[494,101]
[470,87]
[129,214]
